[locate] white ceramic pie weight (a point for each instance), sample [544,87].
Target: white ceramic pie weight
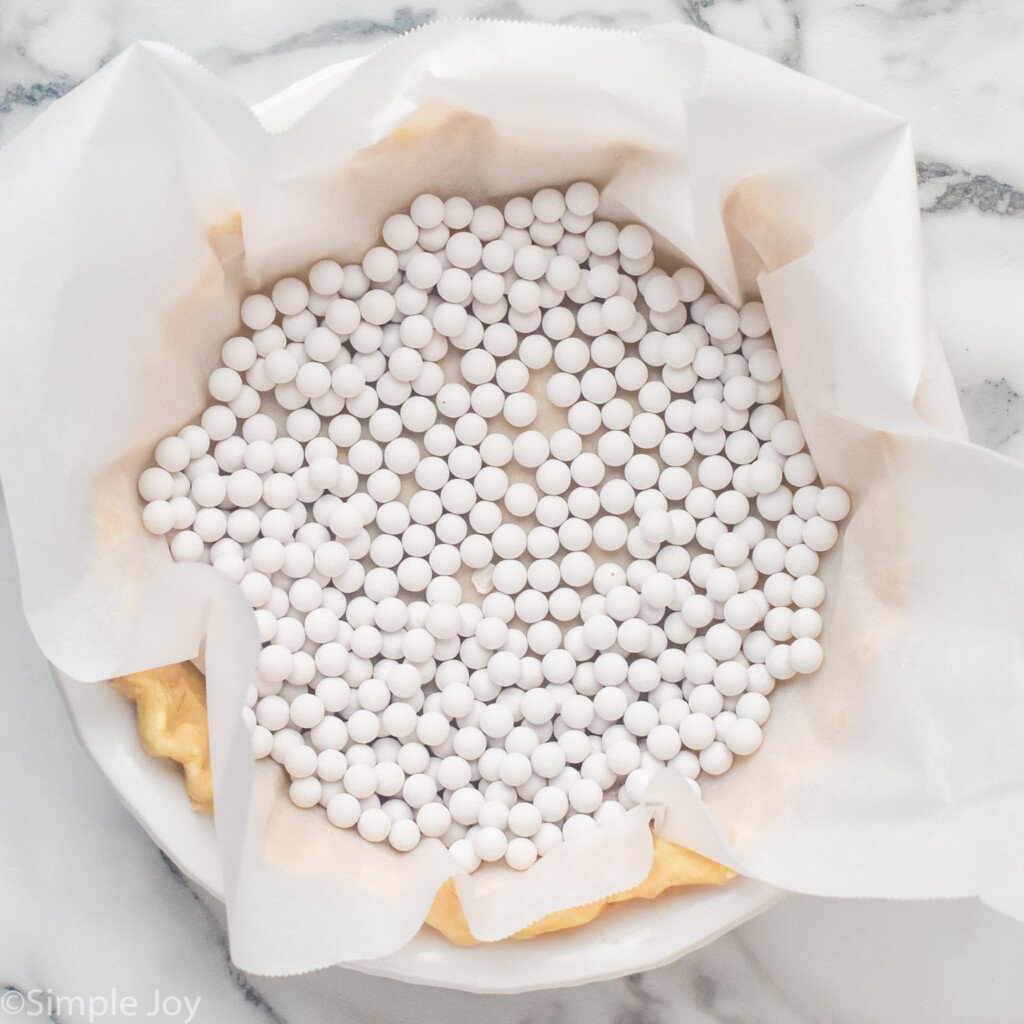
[141,207]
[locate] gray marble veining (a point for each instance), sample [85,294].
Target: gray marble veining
[950,188]
[90,905]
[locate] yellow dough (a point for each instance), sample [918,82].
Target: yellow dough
[171,706]
[673,865]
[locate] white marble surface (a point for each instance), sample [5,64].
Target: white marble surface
[90,906]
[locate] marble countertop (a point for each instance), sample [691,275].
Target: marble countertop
[90,907]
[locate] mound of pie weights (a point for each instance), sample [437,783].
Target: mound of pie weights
[520,518]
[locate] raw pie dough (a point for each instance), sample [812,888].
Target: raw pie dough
[171,707]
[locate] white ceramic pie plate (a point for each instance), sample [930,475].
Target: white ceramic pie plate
[624,940]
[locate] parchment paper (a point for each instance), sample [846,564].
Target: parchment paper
[139,209]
